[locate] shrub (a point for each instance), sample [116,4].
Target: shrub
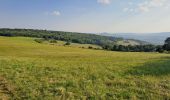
[67,43]
[53,41]
[39,40]
[90,47]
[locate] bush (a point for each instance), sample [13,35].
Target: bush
[67,43]
[167,44]
[39,40]
[159,49]
[90,47]
[53,41]
[167,52]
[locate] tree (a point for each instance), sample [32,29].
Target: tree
[159,49]
[167,44]
[67,43]
[90,47]
[53,41]
[39,40]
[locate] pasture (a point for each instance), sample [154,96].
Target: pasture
[30,70]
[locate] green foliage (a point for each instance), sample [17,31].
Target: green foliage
[67,43]
[39,40]
[108,43]
[60,35]
[53,41]
[167,44]
[160,49]
[90,47]
[130,48]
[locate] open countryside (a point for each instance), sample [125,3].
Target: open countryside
[84,49]
[30,70]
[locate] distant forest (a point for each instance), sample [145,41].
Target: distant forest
[60,35]
[106,42]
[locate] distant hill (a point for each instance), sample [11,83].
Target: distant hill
[131,42]
[154,38]
[74,37]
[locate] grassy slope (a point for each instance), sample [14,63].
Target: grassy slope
[61,43]
[128,42]
[29,70]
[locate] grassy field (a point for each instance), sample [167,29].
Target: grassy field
[31,71]
[76,45]
[128,42]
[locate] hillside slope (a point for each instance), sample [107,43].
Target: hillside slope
[154,38]
[49,72]
[74,37]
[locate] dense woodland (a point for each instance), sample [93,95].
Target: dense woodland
[106,42]
[60,35]
[167,44]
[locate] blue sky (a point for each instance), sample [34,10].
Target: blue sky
[139,16]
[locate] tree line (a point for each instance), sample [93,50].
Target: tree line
[60,35]
[130,48]
[166,46]
[106,42]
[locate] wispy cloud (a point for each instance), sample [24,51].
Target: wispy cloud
[56,13]
[129,10]
[143,8]
[53,13]
[146,5]
[105,2]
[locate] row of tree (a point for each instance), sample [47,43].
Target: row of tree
[140,48]
[130,48]
[166,46]
[108,43]
[60,35]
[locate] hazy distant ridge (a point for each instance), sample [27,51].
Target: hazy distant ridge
[155,38]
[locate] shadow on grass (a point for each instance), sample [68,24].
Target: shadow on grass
[5,89]
[157,67]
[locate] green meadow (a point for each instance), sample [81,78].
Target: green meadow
[40,71]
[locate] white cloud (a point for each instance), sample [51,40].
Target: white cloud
[147,5]
[143,8]
[157,3]
[56,13]
[105,2]
[129,10]
[150,4]
[126,9]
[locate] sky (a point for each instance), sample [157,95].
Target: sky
[90,16]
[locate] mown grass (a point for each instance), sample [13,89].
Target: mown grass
[49,72]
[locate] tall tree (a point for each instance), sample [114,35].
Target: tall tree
[167,44]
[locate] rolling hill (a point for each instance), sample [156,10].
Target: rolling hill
[154,38]
[74,37]
[31,70]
